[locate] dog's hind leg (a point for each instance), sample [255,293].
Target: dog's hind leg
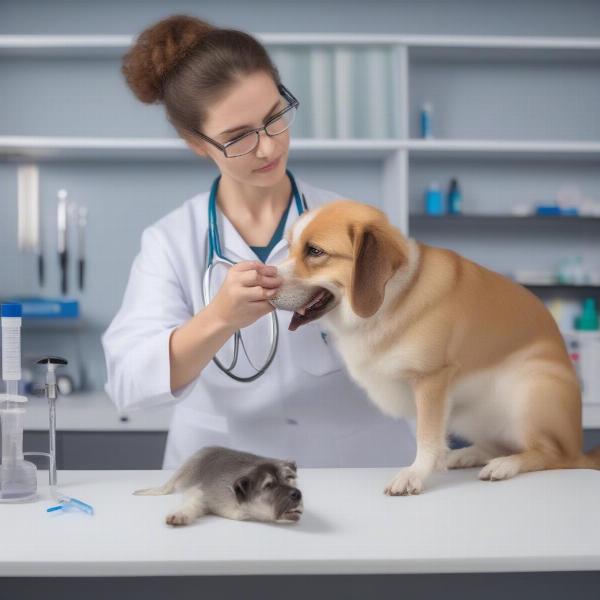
[550,419]
[194,506]
[505,467]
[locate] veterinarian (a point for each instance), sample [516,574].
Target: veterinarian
[224,97]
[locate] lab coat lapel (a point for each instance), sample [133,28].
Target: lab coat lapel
[281,248]
[237,249]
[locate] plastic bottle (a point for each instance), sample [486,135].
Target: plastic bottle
[566,273]
[434,203]
[10,318]
[454,198]
[578,271]
[426,116]
[588,320]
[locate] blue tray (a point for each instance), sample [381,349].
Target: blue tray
[47,308]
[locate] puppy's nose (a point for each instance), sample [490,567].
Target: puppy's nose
[295,495]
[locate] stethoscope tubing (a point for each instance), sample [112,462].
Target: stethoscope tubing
[215,254]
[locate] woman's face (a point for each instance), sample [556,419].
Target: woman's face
[248,105]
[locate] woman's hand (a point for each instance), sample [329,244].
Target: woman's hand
[243,297]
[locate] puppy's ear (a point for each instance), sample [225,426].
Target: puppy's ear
[241,488]
[377,255]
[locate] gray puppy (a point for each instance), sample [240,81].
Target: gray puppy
[232,484]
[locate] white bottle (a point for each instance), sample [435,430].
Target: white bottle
[11,346]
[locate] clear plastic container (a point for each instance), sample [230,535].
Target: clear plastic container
[18,477]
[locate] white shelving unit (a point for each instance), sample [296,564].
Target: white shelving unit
[396,153]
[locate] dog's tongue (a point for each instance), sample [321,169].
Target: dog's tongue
[300,317]
[297,320]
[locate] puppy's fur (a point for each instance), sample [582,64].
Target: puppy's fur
[432,335]
[232,484]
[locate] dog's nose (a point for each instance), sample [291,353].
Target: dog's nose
[295,495]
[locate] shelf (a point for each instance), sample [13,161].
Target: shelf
[80,148]
[37,324]
[486,149]
[18,148]
[499,220]
[539,50]
[580,290]
[98,148]
[48,46]
[423,45]
[345,148]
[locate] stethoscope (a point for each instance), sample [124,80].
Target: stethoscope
[215,255]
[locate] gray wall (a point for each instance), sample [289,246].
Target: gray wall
[510,17]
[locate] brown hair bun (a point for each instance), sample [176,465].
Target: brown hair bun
[157,51]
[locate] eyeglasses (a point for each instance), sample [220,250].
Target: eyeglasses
[276,124]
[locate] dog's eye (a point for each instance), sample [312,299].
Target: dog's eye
[268,485]
[314,251]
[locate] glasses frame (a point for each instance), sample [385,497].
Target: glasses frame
[294,103]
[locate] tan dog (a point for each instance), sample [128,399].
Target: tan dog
[428,333]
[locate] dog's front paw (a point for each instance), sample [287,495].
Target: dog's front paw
[178,518]
[503,467]
[406,483]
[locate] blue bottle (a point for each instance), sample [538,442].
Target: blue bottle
[454,198]
[426,115]
[434,202]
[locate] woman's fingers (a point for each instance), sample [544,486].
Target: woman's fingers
[247,265]
[270,282]
[268,270]
[256,293]
[252,265]
[252,278]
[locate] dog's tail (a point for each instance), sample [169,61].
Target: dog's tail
[161,490]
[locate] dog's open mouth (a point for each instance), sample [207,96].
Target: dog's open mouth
[312,310]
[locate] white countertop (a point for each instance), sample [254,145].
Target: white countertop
[535,522]
[94,411]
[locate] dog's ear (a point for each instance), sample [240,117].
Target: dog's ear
[241,488]
[377,256]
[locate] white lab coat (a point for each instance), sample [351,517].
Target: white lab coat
[305,407]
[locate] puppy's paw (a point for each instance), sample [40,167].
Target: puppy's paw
[178,518]
[503,467]
[406,483]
